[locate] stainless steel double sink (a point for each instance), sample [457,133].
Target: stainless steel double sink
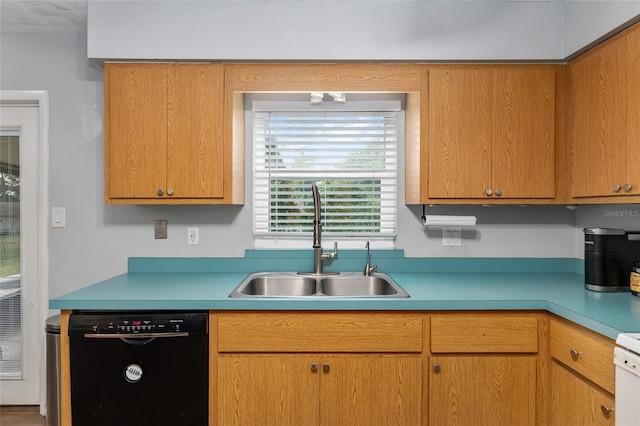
[293,284]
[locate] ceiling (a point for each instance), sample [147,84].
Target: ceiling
[37,16]
[70,16]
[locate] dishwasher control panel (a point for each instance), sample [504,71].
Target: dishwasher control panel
[138,322]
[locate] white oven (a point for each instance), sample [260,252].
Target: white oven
[627,363]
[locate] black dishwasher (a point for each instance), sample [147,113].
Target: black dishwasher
[139,368]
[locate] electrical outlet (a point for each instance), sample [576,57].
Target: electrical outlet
[452,237]
[193,236]
[160,227]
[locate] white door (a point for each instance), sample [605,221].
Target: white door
[21,326]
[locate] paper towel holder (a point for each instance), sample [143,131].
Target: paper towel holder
[442,221]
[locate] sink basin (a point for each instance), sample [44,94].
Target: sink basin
[292,284]
[280,285]
[361,286]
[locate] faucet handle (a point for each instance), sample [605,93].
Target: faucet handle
[334,253]
[368,269]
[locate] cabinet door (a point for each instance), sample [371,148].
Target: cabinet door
[598,100]
[632,170]
[459,133]
[267,390]
[136,131]
[523,142]
[576,401]
[482,390]
[371,390]
[195,157]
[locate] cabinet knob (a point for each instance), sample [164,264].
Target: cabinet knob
[605,410]
[314,367]
[160,192]
[436,367]
[498,192]
[488,192]
[627,187]
[616,188]
[169,191]
[325,368]
[574,353]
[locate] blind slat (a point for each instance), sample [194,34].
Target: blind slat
[351,156]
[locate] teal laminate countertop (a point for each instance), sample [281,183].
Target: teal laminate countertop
[434,285]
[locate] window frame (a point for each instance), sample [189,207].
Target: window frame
[300,103]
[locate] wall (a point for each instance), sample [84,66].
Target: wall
[98,238]
[326,30]
[624,216]
[362,30]
[586,22]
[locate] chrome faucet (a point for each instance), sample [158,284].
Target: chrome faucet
[368,269]
[318,255]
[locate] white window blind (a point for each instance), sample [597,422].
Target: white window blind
[351,156]
[11,331]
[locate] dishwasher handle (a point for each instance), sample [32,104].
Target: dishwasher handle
[135,335]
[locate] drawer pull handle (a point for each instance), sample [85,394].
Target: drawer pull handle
[325,368]
[314,367]
[574,353]
[436,368]
[605,410]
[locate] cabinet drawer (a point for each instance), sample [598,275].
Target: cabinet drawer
[584,351]
[319,332]
[484,333]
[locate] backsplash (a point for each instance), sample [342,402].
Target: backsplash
[390,261]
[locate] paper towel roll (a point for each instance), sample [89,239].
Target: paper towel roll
[444,220]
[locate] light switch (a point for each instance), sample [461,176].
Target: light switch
[58,219]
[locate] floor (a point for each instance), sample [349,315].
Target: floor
[21,416]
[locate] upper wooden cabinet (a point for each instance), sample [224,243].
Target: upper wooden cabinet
[604,126]
[165,137]
[491,134]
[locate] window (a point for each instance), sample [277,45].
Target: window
[11,365]
[348,150]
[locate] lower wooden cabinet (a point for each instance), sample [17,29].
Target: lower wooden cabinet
[484,369]
[371,390]
[319,390]
[582,375]
[267,390]
[400,368]
[318,368]
[482,390]
[578,401]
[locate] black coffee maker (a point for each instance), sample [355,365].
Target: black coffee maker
[608,258]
